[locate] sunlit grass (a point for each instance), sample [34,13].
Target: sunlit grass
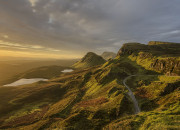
[169,79]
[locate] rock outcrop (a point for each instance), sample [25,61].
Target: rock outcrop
[162,57]
[169,66]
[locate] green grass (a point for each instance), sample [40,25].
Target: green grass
[153,120]
[89,60]
[95,98]
[169,79]
[149,62]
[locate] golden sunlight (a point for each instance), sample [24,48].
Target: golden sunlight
[36,55]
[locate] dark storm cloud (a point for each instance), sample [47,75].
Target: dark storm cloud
[88,25]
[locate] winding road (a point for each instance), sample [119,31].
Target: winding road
[130,93]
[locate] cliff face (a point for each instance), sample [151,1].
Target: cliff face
[97,98]
[129,48]
[169,66]
[162,57]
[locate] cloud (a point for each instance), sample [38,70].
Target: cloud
[29,47]
[29,54]
[33,2]
[5,36]
[78,26]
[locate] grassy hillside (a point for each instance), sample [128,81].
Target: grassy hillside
[95,98]
[161,57]
[158,97]
[89,60]
[80,99]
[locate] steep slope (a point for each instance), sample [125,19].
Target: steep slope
[108,55]
[84,99]
[158,97]
[89,60]
[96,98]
[162,57]
[157,94]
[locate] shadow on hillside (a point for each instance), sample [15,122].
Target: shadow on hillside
[121,68]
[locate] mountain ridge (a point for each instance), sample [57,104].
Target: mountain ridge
[162,57]
[89,60]
[96,97]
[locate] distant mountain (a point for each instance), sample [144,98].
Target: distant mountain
[104,97]
[89,60]
[108,55]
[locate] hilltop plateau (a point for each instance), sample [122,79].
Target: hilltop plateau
[97,95]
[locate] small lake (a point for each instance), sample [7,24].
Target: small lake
[25,81]
[67,70]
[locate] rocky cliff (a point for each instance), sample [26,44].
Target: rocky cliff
[162,57]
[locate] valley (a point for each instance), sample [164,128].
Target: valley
[13,70]
[89,65]
[138,89]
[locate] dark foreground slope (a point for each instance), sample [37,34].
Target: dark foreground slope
[95,98]
[89,60]
[86,99]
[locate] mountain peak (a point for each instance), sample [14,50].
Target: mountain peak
[89,60]
[89,55]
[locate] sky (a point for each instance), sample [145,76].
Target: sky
[69,28]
